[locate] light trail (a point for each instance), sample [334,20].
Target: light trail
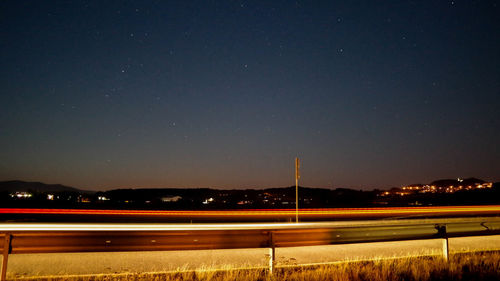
[337,212]
[8,227]
[138,227]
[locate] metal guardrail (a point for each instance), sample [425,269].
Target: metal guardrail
[20,239]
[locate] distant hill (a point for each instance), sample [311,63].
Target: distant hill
[12,186]
[465,182]
[445,192]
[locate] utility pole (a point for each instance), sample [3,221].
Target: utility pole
[297,176]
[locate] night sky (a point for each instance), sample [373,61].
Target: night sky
[225,94]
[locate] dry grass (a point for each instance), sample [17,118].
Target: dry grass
[465,266]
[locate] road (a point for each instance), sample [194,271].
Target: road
[276,215]
[24,265]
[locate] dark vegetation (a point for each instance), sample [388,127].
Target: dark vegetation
[466,266]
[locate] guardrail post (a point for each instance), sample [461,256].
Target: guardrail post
[442,233]
[272,255]
[7,246]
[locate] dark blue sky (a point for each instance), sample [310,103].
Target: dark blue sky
[225,94]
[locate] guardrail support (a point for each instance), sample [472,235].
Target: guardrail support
[442,233]
[272,254]
[7,246]
[446,252]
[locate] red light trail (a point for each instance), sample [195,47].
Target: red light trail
[330,212]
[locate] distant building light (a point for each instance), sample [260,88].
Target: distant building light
[50,196]
[209,200]
[21,195]
[171,199]
[102,198]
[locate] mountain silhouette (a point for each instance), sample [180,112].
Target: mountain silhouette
[16,185]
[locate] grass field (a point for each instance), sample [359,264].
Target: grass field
[463,266]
